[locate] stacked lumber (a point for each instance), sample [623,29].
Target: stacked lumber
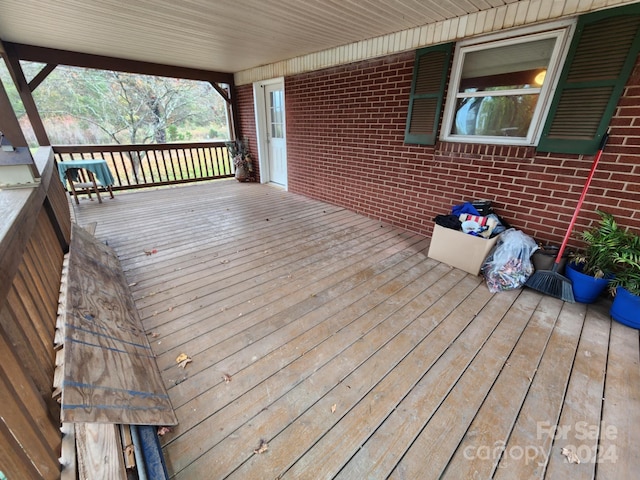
[106,377]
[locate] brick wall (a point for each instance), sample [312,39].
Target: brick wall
[345,145]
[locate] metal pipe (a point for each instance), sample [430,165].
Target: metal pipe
[137,451]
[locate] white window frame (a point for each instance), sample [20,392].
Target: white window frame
[562,30]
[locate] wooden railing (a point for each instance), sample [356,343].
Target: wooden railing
[136,166]
[34,235]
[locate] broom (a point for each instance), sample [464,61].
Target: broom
[551,282]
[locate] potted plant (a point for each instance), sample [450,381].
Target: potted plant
[590,269]
[242,162]
[625,286]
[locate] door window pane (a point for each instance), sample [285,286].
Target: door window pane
[276,107]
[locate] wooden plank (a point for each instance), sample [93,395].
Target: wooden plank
[447,426]
[38,318]
[470,324]
[110,371]
[28,394]
[395,368]
[578,426]
[496,417]
[284,304]
[57,205]
[25,431]
[227,260]
[619,436]
[32,356]
[46,289]
[127,447]
[231,291]
[91,228]
[47,253]
[366,350]
[533,432]
[68,452]
[15,462]
[265,379]
[99,450]
[266,271]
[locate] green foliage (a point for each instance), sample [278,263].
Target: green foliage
[601,242]
[612,251]
[627,264]
[173,135]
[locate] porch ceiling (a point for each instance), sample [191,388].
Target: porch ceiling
[220,35]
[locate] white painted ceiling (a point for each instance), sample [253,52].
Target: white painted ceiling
[220,35]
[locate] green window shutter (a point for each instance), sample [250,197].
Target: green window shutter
[427,93]
[600,60]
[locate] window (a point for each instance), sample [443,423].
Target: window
[500,88]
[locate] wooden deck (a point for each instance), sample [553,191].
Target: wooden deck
[334,343]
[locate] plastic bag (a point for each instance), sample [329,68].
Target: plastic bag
[509,265]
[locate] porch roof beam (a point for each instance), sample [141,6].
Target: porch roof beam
[76,59]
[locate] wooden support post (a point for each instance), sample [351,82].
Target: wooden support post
[13,63]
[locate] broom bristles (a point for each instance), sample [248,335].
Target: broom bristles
[552,283]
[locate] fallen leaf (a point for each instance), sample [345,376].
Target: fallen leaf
[263,447]
[163,430]
[153,334]
[226,377]
[184,363]
[333,408]
[182,357]
[133,284]
[150,252]
[571,455]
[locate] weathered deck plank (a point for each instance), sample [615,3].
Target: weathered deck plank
[534,429]
[99,451]
[338,343]
[110,374]
[619,435]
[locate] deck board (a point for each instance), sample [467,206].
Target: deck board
[336,341]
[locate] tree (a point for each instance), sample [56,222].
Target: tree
[94,106]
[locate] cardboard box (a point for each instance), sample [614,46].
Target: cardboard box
[459,249]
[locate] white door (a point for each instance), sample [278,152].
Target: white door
[275,133]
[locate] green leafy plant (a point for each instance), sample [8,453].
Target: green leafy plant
[626,260]
[602,242]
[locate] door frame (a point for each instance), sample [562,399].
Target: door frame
[259,103]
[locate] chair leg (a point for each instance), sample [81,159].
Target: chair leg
[95,186]
[73,188]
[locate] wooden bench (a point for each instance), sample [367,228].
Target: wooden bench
[106,377]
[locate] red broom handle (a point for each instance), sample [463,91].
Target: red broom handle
[582,196]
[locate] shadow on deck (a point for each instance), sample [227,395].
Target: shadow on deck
[327,345]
